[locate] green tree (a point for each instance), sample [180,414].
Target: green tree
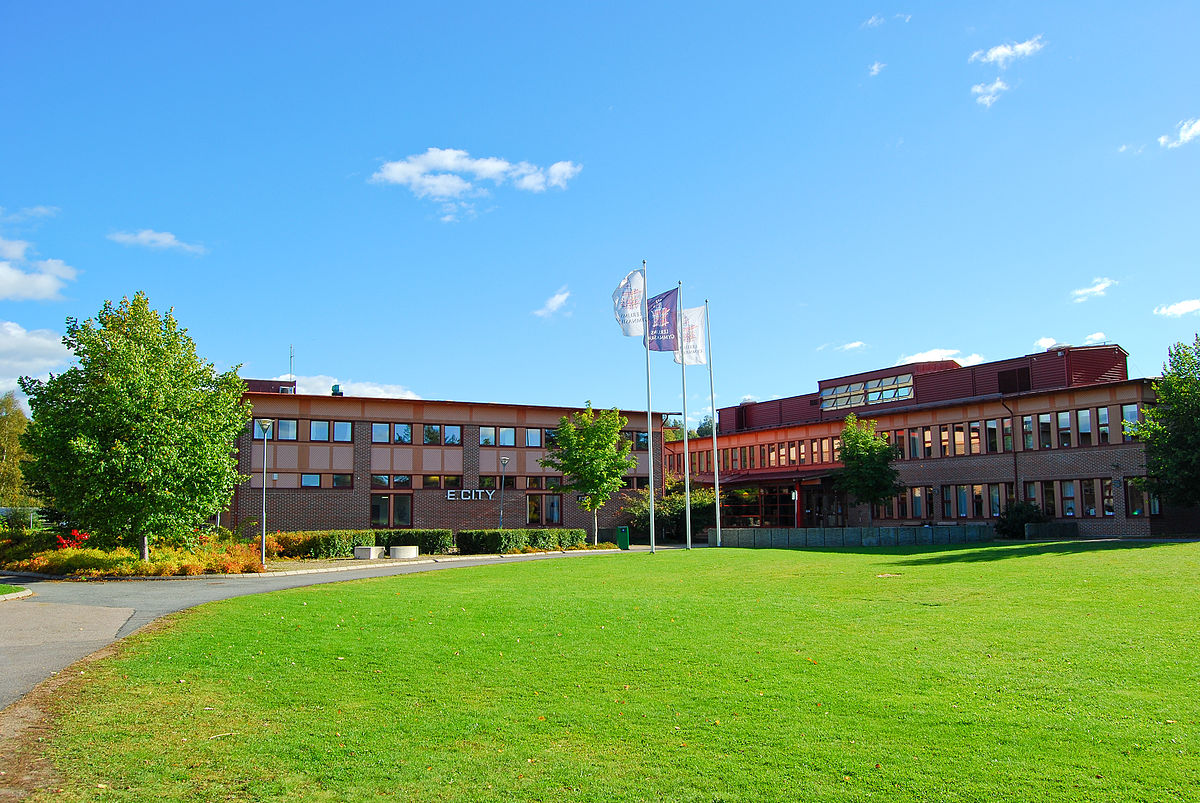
[1171,428]
[13,422]
[705,428]
[867,474]
[670,509]
[136,441]
[592,457]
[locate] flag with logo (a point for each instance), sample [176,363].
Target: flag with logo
[661,312]
[627,303]
[691,350]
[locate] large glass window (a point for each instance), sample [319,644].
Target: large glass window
[975,439]
[1045,436]
[318,430]
[381,433]
[343,480]
[402,433]
[507,436]
[310,480]
[1064,429]
[343,431]
[1083,419]
[875,391]
[552,512]
[961,493]
[1129,417]
[401,480]
[947,502]
[1068,497]
[1031,493]
[380,481]
[918,503]
[257,430]
[1027,431]
[960,440]
[487,436]
[431,434]
[944,432]
[379,510]
[914,443]
[994,499]
[1106,496]
[1006,426]
[533,509]
[452,481]
[1087,497]
[533,437]
[1048,506]
[977,501]
[402,510]
[431,481]
[1102,425]
[286,429]
[993,436]
[452,435]
[927,441]
[551,437]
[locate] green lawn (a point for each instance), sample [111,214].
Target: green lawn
[5,588]
[1031,672]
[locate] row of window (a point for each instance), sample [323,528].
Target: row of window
[1087,498]
[286,429]
[1060,430]
[396,510]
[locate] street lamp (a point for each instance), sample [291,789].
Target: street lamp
[503,465]
[265,425]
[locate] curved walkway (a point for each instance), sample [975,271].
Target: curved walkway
[63,621]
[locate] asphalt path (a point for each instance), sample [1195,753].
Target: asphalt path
[64,621]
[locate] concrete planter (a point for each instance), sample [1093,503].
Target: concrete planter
[403,552]
[368,552]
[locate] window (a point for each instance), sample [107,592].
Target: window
[286,429]
[1014,380]
[1031,493]
[1048,499]
[507,436]
[976,442]
[1102,425]
[452,436]
[381,433]
[343,431]
[947,502]
[962,491]
[826,450]
[641,441]
[875,391]
[1045,440]
[944,432]
[552,482]
[803,454]
[960,438]
[927,441]
[901,506]
[343,480]
[914,443]
[977,501]
[1068,497]
[431,434]
[452,481]
[401,480]
[1129,417]
[1064,430]
[533,482]
[1087,496]
[380,481]
[533,509]
[257,430]
[1027,431]
[487,436]
[431,481]
[318,430]
[533,438]
[379,510]
[487,483]
[552,509]
[898,442]
[402,433]
[310,480]
[551,437]
[402,510]
[771,455]
[994,499]
[1083,418]
[1006,427]
[993,436]
[492,482]
[793,455]
[918,506]
[1106,496]
[837,449]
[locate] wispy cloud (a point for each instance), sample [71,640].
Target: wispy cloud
[28,353]
[1094,337]
[554,303]
[987,94]
[27,213]
[857,344]
[450,176]
[876,68]
[1045,342]
[1179,308]
[874,21]
[1003,55]
[1188,130]
[936,355]
[149,238]
[903,17]
[23,279]
[322,384]
[1134,149]
[1099,286]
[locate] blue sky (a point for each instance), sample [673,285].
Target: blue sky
[439,201]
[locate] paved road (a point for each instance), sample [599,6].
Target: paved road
[65,621]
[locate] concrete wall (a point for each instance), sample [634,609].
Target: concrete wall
[824,537]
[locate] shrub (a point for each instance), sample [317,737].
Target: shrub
[572,539]
[544,539]
[1011,522]
[429,542]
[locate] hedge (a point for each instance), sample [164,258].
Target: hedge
[341,543]
[430,542]
[488,542]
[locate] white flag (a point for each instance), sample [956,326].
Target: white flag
[627,303]
[691,338]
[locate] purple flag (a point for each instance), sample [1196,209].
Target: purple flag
[662,331]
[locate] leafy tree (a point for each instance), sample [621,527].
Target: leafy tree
[672,430]
[867,474]
[670,510]
[13,422]
[1171,428]
[705,428]
[136,441]
[592,457]
[1011,523]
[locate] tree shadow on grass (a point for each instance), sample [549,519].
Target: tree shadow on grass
[972,553]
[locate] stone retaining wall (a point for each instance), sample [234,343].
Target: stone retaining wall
[807,537]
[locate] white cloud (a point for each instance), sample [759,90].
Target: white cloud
[149,238]
[27,213]
[13,249]
[1188,130]
[1098,288]
[857,344]
[1094,337]
[1045,342]
[1179,308]
[553,303]
[873,22]
[749,398]
[989,93]
[449,175]
[905,17]
[28,353]
[322,385]
[876,68]
[936,355]
[1001,55]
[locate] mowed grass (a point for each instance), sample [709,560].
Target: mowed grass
[1031,672]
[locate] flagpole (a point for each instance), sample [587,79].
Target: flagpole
[687,469]
[649,405]
[712,396]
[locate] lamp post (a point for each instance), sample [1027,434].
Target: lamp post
[503,466]
[265,425]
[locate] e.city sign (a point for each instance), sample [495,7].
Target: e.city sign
[467,496]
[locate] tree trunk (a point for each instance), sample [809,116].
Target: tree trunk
[595,527]
[146,547]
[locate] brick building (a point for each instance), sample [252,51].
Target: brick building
[340,462]
[1046,428]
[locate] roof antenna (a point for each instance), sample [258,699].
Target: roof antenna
[292,363]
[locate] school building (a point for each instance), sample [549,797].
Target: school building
[341,462]
[1046,428]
